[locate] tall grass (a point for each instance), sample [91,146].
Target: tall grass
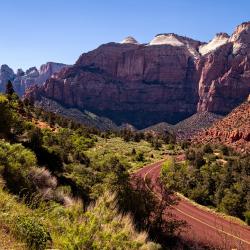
[52,225]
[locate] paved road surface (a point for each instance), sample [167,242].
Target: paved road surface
[204,226]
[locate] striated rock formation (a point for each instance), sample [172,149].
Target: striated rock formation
[233,130]
[167,80]
[22,80]
[6,73]
[131,83]
[225,73]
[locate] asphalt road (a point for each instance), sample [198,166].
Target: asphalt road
[203,226]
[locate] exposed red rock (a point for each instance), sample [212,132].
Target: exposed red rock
[131,83]
[233,130]
[166,80]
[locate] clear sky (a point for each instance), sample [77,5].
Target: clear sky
[36,31]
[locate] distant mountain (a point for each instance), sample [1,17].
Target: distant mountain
[22,80]
[233,130]
[167,80]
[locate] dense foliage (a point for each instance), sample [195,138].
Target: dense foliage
[213,176]
[62,183]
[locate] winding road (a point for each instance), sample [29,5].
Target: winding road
[203,226]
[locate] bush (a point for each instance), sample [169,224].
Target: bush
[225,150]
[34,233]
[17,162]
[140,157]
[247,217]
[102,227]
[207,149]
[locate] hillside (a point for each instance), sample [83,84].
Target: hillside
[60,182]
[187,128]
[233,130]
[192,125]
[84,117]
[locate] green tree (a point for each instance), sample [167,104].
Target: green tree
[6,116]
[9,89]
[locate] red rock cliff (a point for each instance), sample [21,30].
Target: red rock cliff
[166,80]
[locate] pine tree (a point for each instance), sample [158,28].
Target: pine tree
[9,88]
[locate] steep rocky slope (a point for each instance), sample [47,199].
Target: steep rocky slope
[187,128]
[194,124]
[167,80]
[22,80]
[233,130]
[84,117]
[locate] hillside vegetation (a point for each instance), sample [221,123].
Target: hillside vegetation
[66,186]
[213,176]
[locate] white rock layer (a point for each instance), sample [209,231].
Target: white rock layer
[218,41]
[129,40]
[169,39]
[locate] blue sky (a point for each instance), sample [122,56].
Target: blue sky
[36,31]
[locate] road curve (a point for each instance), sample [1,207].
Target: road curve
[204,227]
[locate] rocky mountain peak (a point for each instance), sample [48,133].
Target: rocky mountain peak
[20,72]
[241,38]
[6,69]
[22,80]
[222,35]
[6,73]
[129,40]
[32,72]
[219,40]
[241,30]
[241,33]
[168,39]
[175,40]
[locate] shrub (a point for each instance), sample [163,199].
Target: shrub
[225,150]
[207,149]
[133,152]
[17,162]
[140,157]
[247,217]
[34,233]
[102,227]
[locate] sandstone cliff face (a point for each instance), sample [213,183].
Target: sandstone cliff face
[166,80]
[225,73]
[128,82]
[22,80]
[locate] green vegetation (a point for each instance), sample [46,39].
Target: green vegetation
[57,177]
[53,225]
[212,176]
[136,154]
